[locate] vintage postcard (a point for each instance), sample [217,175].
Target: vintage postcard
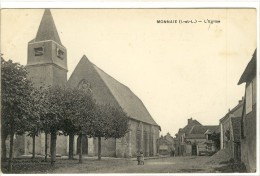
[129,90]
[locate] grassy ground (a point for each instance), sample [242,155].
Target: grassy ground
[38,165]
[194,164]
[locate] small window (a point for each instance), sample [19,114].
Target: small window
[39,51]
[60,53]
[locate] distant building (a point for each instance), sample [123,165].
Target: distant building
[230,130]
[166,144]
[199,140]
[195,139]
[248,127]
[180,150]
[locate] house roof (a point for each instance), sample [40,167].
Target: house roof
[217,130]
[47,29]
[250,70]
[189,126]
[236,128]
[199,129]
[236,111]
[195,136]
[109,90]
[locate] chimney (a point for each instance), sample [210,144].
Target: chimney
[240,101]
[189,120]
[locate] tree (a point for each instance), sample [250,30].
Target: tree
[52,116]
[35,108]
[77,109]
[84,115]
[108,122]
[44,121]
[16,102]
[118,123]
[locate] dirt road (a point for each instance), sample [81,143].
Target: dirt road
[162,165]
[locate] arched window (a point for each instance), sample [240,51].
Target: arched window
[84,85]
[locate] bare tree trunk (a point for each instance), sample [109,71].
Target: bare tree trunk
[33,148]
[10,165]
[99,148]
[80,148]
[53,148]
[46,147]
[71,145]
[3,146]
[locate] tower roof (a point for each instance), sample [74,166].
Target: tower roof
[47,29]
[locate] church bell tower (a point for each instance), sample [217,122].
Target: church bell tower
[47,57]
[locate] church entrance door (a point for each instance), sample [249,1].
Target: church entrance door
[84,145]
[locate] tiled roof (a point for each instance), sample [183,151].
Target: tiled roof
[108,90]
[132,105]
[250,70]
[188,127]
[199,129]
[236,111]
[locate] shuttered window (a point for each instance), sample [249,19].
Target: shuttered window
[39,51]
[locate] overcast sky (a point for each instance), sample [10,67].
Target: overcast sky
[178,70]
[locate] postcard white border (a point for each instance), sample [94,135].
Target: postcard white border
[152,4]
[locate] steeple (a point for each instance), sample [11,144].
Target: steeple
[47,57]
[47,29]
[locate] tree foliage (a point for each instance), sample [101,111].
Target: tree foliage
[55,110]
[77,108]
[109,122]
[17,92]
[16,97]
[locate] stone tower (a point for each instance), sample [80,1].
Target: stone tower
[47,57]
[47,66]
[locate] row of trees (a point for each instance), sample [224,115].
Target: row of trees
[53,110]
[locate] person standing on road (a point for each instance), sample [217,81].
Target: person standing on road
[141,158]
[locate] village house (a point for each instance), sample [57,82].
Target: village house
[166,144]
[199,140]
[195,139]
[230,130]
[47,64]
[248,127]
[180,148]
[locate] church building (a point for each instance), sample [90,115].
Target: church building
[47,65]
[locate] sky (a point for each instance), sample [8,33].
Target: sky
[179,71]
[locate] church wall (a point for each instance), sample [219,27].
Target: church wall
[108,147]
[129,145]
[40,75]
[85,70]
[41,59]
[19,145]
[59,76]
[156,135]
[60,61]
[61,145]
[125,146]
